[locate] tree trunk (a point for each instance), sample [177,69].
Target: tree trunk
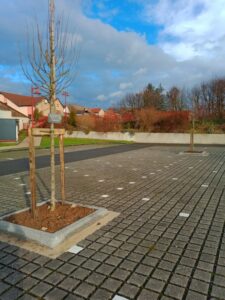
[52,98]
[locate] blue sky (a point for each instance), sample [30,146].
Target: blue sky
[123,45]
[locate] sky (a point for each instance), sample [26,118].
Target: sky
[122,45]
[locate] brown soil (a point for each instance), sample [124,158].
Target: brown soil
[51,221]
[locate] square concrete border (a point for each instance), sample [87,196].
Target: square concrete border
[50,240]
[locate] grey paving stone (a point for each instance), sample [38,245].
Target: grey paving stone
[66,256]
[128,265]
[218,292]
[66,268]
[95,278]
[105,269]
[199,286]
[128,290]
[5,271]
[114,261]
[202,275]
[174,291]
[146,294]
[12,293]
[41,273]
[78,260]
[69,284]
[56,294]
[41,289]
[14,278]
[54,278]
[29,268]
[84,289]
[101,294]
[27,296]
[161,274]
[111,284]
[137,279]
[3,287]
[27,283]
[91,264]
[155,285]
[120,274]
[54,264]
[179,280]
[80,273]
[219,280]
[191,295]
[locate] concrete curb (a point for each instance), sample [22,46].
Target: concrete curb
[50,239]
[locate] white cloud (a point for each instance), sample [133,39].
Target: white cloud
[116,94]
[125,85]
[141,71]
[101,97]
[191,27]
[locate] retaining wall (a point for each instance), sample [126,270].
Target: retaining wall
[154,138]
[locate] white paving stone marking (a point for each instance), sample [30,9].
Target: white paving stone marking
[75,171]
[16,178]
[204,185]
[22,184]
[28,193]
[101,180]
[119,188]
[184,215]
[144,177]
[145,199]
[152,173]
[117,297]
[86,175]
[104,196]
[132,182]
[214,171]
[75,249]
[10,158]
[174,178]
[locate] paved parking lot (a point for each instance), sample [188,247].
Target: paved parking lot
[167,243]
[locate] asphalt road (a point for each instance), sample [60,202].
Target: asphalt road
[20,165]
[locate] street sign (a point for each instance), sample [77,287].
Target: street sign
[54,118]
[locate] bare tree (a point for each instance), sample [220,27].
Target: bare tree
[51,61]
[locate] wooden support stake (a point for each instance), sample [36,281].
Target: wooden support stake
[62,166]
[32,172]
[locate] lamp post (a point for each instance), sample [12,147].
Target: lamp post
[65,94]
[34,91]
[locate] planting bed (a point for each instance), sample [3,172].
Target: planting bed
[51,221]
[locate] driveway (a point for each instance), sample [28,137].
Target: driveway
[167,243]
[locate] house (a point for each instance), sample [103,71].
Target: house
[11,122]
[20,103]
[97,112]
[43,106]
[80,110]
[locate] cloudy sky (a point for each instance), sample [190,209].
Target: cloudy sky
[123,45]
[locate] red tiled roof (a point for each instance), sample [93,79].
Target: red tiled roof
[95,110]
[15,113]
[21,100]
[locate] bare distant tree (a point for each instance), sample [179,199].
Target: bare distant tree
[174,99]
[51,60]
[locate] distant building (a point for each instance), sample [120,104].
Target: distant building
[97,111]
[20,103]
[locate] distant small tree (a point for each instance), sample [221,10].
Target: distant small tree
[37,114]
[72,117]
